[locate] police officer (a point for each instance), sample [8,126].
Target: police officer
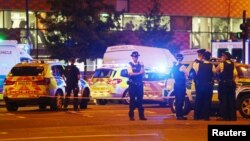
[72,76]
[136,72]
[195,65]
[204,88]
[227,87]
[179,73]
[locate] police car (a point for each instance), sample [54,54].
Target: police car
[242,93]
[110,82]
[38,83]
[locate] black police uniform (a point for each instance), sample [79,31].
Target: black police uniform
[227,87]
[204,91]
[179,90]
[136,92]
[192,71]
[71,73]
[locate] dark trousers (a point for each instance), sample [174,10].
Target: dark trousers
[69,89]
[204,92]
[136,100]
[180,93]
[227,100]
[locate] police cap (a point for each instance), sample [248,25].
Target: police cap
[227,55]
[207,55]
[135,54]
[201,51]
[179,56]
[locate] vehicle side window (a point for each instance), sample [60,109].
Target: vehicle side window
[243,72]
[60,69]
[124,73]
[55,71]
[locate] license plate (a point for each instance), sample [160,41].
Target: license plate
[24,83]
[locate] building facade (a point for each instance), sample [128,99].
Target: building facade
[195,23]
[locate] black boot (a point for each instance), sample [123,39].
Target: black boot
[131,115]
[141,115]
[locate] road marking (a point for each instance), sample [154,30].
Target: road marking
[83,136]
[21,117]
[3,133]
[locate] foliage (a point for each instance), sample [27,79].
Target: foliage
[74,28]
[152,32]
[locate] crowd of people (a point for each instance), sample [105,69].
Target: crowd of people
[204,74]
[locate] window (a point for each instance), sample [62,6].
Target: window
[27,71]
[243,72]
[237,54]
[201,24]
[124,73]
[1,19]
[220,51]
[102,73]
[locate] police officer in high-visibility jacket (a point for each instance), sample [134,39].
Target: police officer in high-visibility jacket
[227,86]
[195,65]
[136,73]
[179,73]
[204,88]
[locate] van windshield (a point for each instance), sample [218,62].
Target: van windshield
[102,73]
[27,71]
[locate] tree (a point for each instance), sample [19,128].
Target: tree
[154,31]
[75,28]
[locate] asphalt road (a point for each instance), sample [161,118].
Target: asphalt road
[102,123]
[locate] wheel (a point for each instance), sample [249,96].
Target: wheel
[126,99]
[187,106]
[11,107]
[85,99]
[101,101]
[57,101]
[42,106]
[244,106]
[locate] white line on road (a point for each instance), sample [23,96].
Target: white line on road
[83,136]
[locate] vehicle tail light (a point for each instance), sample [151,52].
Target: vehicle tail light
[45,81]
[90,81]
[8,82]
[115,81]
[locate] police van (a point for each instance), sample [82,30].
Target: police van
[11,53]
[110,81]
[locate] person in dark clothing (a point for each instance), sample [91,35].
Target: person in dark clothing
[195,65]
[72,76]
[204,88]
[227,86]
[136,73]
[179,73]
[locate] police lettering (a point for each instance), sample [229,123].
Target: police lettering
[216,132]
[5,52]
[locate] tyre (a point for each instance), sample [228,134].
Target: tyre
[187,106]
[11,107]
[101,101]
[42,106]
[85,99]
[126,99]
[244,106]
[57,101]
